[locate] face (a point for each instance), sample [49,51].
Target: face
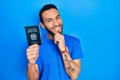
[52,21]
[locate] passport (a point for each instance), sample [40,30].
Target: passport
[33,34]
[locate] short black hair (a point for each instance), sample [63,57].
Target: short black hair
[44,8]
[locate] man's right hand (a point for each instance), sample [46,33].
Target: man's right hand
[32,53]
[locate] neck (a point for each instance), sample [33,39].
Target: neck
[50,36]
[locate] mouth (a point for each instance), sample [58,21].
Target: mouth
[57,29]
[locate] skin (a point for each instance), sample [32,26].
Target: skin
[53,24]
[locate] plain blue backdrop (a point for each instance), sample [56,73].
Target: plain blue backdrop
[95,22]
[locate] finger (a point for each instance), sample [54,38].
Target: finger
[56,38]
[34,46]
[33,56]
[32,53]
[55,41]
[32,49]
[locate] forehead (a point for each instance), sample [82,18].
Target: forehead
[51,13]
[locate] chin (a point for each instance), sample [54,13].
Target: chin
[60,32]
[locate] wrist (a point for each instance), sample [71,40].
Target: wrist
[32,61]
[31,64]
[64,50]
[32,67]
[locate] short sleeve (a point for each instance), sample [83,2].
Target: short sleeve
[76,52]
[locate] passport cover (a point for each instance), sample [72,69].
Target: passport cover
[33,34]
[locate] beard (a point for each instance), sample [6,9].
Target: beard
[52,33]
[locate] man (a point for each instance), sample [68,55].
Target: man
[58,58]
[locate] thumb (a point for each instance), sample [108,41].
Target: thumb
[55,41]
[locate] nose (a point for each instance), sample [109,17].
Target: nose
[56,22]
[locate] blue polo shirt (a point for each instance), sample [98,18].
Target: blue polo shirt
[51,66]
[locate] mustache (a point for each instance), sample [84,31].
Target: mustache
[57,26]
[50,32]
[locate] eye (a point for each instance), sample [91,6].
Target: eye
[48,20]
[58,17]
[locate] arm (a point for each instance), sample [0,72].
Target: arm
[32,72]
[72,67]
[32,55]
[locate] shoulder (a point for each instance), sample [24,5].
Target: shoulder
[70,38]
[74,46]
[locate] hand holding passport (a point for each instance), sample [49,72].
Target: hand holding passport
[33,34]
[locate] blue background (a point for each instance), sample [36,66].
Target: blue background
[95,22]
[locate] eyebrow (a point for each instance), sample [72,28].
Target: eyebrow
[48,19]
[51,18]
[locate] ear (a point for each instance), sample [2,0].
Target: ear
[42,25]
